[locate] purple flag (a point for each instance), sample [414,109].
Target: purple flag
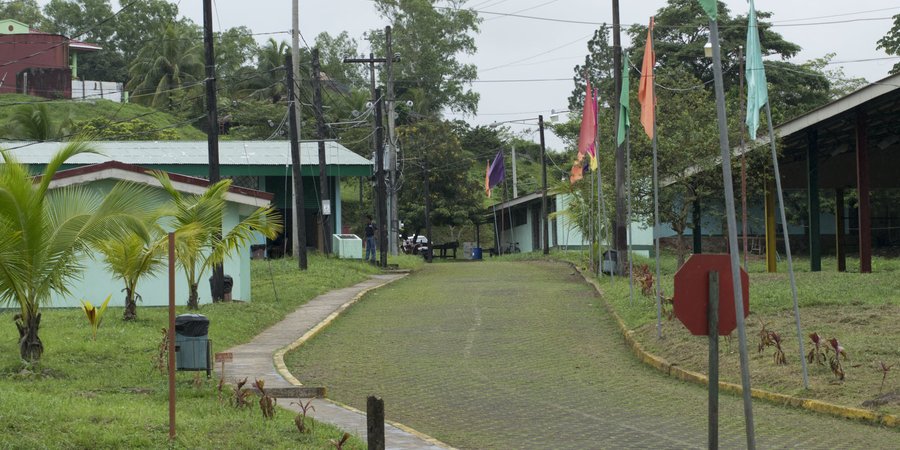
[497,172]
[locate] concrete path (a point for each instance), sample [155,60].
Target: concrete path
[257,359]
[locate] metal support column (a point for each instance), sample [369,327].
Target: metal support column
[862,188]
[840,250]
[697,230]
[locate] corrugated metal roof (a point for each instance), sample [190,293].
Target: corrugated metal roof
[234,153]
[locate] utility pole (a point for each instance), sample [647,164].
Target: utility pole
[621,235]
[299,227]
[324,191]
[298,218]
[546,233]
[430,251]
[393,212]
[212,136]
[515,178]
[379,179]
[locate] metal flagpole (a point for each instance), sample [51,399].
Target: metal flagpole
[787,245]
[628,217]
[656,224]
[732,232]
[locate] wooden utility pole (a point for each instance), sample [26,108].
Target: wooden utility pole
[299,222]
[429,255]
[394,211]
[299,229]
[621,234]
[212,135]
[379,179]
[544,222]
[324,190]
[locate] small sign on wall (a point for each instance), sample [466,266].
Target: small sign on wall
[326,207]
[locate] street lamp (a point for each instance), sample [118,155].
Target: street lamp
[544,222]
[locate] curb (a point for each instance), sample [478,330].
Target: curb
[278,359]
[673,370]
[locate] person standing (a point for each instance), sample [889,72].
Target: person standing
[370,239]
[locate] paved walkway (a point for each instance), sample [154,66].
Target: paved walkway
[255,359]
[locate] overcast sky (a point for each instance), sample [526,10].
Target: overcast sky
[553,49]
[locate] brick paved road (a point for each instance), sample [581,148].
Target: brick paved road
[522,355]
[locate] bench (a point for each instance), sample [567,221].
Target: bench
[442,249]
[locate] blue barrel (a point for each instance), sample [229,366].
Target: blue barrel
[476,253]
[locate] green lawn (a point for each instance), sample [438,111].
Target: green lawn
[105,394]
[861,310]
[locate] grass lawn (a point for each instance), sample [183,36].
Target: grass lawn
[106,394]
[861,310]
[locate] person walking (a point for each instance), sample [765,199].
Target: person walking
[370,239]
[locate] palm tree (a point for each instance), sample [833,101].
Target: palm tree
[197,221]
[166,64]
[34,122]
[44,235]
[131,258]
[269,85]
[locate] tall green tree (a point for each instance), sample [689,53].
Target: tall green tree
[136,24]
[432,149]
[174,62]
[198,219]
[25,11]
[430,35]
[88,20]
[890,43]
[45,234]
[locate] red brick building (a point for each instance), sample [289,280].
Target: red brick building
[37,63]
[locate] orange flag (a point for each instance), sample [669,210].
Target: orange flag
[588,132]
[646,94]
[577,169]
[487,179]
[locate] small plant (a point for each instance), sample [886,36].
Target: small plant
[884,373]
[266,402]
[779,357]
[817,353]
[239,397]
[644,278]
[300,420]
[161,361]
[339,443]
[94,316]
[764,338]
[835,360]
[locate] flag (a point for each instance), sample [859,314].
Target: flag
[757,91]
[577,172]
[588,132]
[646,94]
[624,120]
[497,171]
[710,6]
[487,179]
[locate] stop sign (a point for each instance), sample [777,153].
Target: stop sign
[692,293]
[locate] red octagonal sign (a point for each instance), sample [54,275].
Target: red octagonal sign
[692,293]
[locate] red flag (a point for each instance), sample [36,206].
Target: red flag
[646,94]
[487,179]
[588,132]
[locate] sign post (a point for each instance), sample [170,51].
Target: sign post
[171,337]
[713,314]
[705,305]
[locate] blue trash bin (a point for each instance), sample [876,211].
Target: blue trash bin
[476,253]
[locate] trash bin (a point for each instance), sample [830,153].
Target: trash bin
[192,345]
[608,264]
[476,253]
[227,286]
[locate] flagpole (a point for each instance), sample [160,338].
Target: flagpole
[728,181]
[628,217]
[656,201]
[787,245]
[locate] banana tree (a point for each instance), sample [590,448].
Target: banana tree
[132,258]
[45,235]
[197,221]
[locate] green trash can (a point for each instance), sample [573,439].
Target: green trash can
[192,345]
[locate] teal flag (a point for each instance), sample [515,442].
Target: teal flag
[710,6]
[757,90]
[624,120]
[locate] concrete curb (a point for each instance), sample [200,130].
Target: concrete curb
[673,370]
[281,367]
